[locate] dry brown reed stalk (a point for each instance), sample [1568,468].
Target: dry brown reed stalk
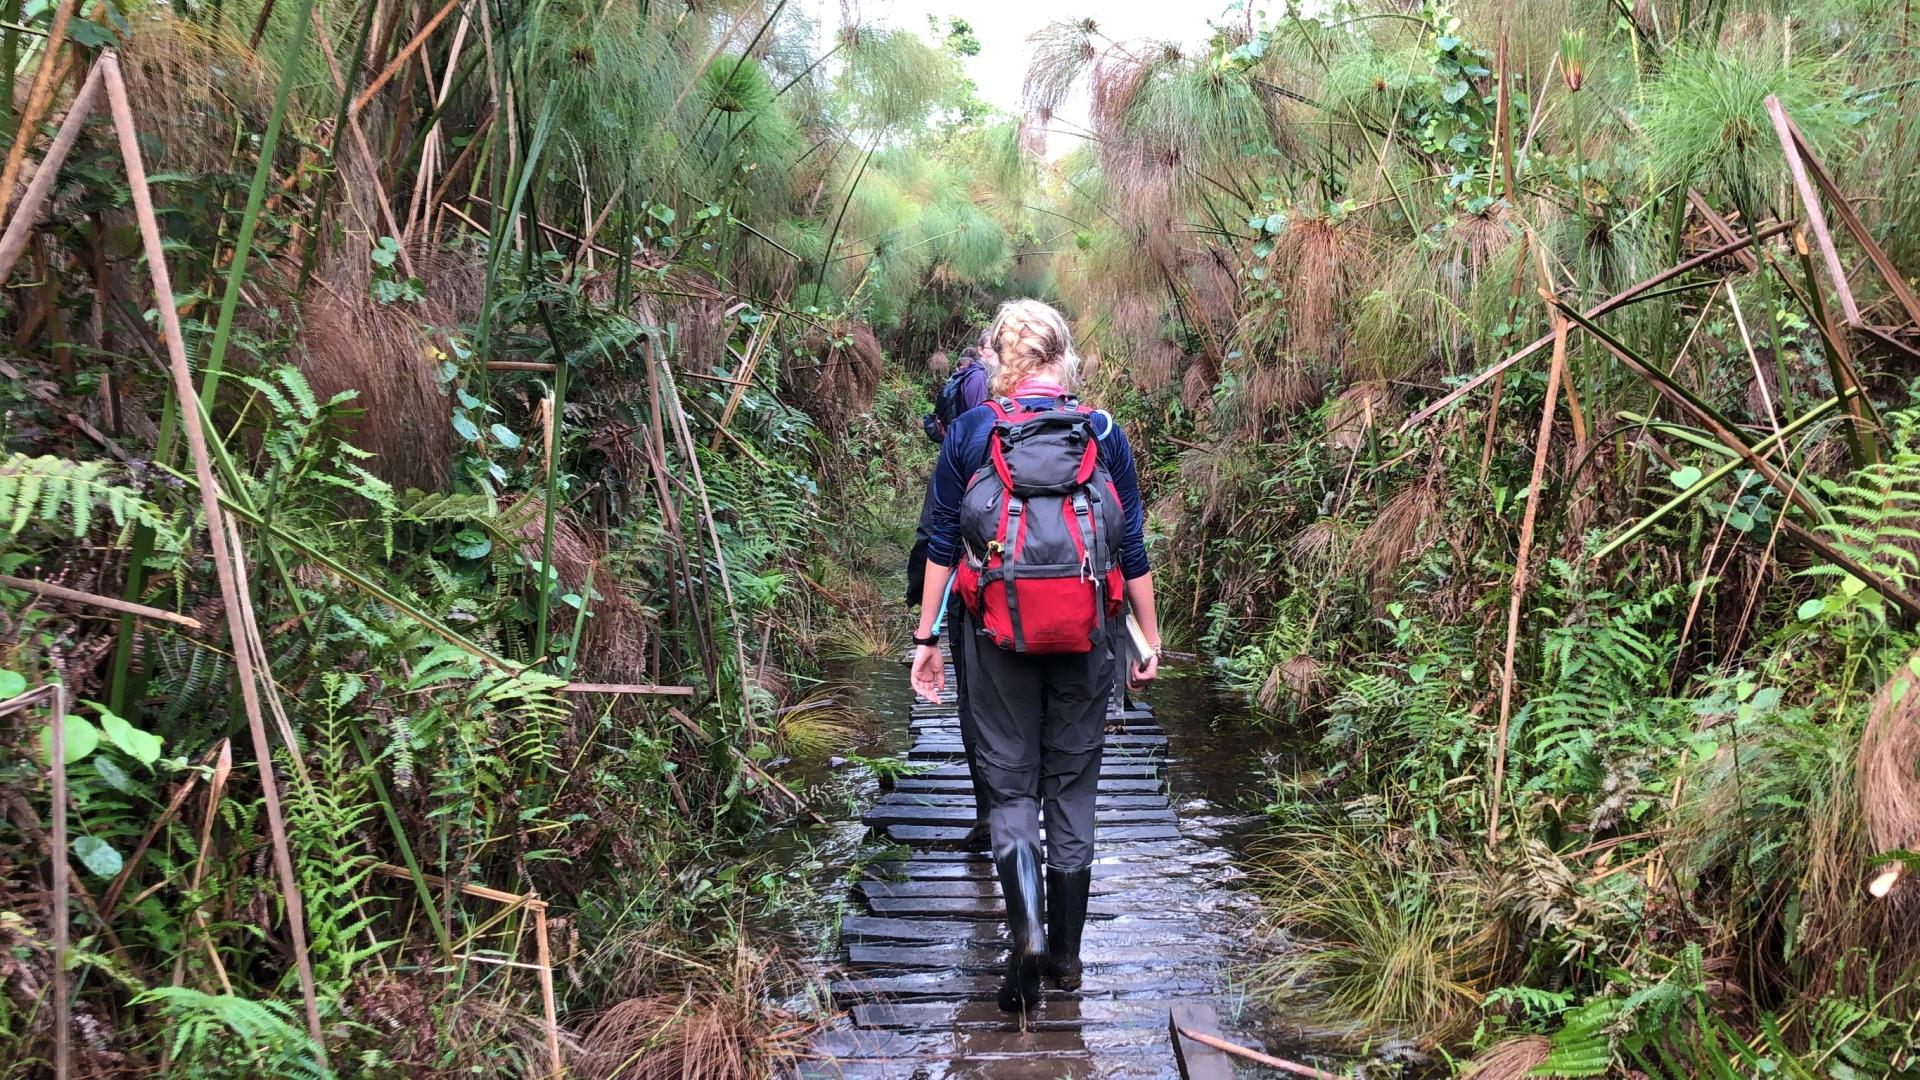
[370,169]
[61,883]
[1617,300]
[39,99]
[352,343]
[20,226]
[1512,1059]
[216,523]
[1541,447]
[1887,771]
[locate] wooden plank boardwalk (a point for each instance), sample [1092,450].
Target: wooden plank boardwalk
[925,939]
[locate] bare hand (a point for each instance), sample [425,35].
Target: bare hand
[1142,673]
[929,672]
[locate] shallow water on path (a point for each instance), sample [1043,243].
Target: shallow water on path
[1177,915]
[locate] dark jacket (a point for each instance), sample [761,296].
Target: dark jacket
[972,392]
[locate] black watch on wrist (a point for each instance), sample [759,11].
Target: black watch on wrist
[929,641]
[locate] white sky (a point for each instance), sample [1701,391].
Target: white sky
[1003,26]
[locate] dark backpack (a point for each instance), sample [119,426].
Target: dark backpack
[1041,524]
[952,400]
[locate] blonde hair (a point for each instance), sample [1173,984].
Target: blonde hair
[1031,341]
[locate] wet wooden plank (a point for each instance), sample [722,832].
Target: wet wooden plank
[979,1045]
[945,834]
[951,735]
[884,928]
[968,907]
[988,886]
[1110,769]
[1197,1061]
[948,986]
[964,816]
[1104,800]
[1064,1014]
[960,785]
[1097,953]
[914,868]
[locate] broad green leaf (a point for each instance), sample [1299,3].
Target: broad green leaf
[98,856]
[12,684]
[506,437]
[141,746]
[1810,609]
[113,775]
[1684,477]
[82,739]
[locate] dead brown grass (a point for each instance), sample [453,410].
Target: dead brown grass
[1315,261]
[351,343]
[720,1027]
[190,81]
[838,372]
[1511,1059]
[615,642]
[1885,769]
[1155,364]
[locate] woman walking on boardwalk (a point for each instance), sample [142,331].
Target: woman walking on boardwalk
[1036,518]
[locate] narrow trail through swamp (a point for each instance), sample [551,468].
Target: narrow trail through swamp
[910,940]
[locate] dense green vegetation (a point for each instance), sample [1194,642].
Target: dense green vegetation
[542,351]
[1611,654]
[543,355]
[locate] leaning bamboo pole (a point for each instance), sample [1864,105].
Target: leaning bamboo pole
[217,539]
[22,221]
[1542,445]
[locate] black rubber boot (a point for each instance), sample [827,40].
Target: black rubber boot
[1066,918]
[1019,869]
[980,837]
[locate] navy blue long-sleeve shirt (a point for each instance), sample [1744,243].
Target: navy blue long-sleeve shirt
[965,451]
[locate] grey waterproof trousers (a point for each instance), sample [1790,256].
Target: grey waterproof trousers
[959,627]
[1038,726]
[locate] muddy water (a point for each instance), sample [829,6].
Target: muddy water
[1215,768]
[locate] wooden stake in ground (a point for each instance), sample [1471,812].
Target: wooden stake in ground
[216,520]
[57,766]
[1541,445]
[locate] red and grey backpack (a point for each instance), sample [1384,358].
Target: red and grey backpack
[1042,522]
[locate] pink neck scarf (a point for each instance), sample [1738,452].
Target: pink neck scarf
[1038,388]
